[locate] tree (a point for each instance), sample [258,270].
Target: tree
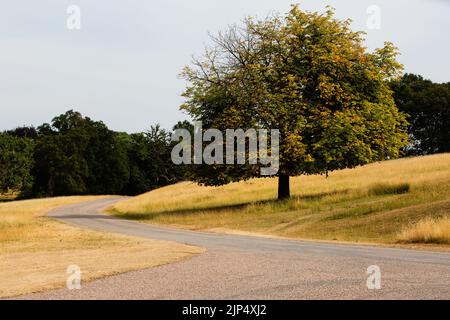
[76,155]
[15,162]
[307,75]
[23,132]
[183,171]
[60,168]
[107,161]
[149,161]
[428,107]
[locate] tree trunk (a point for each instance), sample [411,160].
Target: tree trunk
[283,187]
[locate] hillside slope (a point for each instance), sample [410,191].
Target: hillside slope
[382,202]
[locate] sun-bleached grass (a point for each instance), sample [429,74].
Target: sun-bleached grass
[35,250]
[429,230]
[367,204]
[8,196]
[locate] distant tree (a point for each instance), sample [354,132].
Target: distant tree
[24,132]
[149,161]
[184,172]
[307,75]
[15,162]
[161,170]
[107,161]
[428,107]
[184,125]
[59,165]
[137,154]
[76,155]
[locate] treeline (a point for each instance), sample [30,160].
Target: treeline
[75,155]
[427,105]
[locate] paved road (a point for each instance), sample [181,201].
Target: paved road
[245,267]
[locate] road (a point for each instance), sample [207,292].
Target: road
[247,267]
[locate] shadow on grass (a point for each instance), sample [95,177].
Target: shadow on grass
[377,190]
[389,189]
[224,208]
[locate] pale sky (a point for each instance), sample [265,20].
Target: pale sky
[122,66]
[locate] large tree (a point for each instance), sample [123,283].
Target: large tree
[428,107]
[309,76]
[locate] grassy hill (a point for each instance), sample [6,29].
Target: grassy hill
[406,200]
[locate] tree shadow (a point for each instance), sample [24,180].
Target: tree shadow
[321,195]
[224,208]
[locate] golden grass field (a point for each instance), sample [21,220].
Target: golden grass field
[391,202]
[35,251]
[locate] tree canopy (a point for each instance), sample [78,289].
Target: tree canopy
[428,107]
[149,161]
[15,163]
[75,155]
[309,76]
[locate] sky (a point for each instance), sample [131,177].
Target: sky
[122,66]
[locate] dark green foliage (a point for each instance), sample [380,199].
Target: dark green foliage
[149,161]
[76,155]
[428,107]
[24,132]
[15,162]
[183,171]
[60,168]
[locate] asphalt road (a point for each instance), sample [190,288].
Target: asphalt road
[246,267]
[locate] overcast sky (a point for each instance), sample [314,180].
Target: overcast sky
[122,66]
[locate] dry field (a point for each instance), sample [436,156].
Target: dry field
[398,201]
[36,251]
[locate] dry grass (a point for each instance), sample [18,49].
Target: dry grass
[9,196]
[429,230]
[366,204]
[35,251]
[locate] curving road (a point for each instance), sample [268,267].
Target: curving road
[245,267]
